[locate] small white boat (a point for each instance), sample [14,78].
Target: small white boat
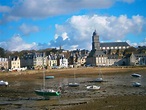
[136,84]
[136,75]
[73,84]
[98,80]
[49,77]
[3,83]
[93,87]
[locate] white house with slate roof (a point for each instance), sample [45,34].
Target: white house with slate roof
[137,59]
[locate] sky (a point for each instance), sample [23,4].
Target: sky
[40,24]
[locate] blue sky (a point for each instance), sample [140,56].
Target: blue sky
[35,24]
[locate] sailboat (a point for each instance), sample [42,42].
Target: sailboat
[99,79]
[46,92]
[74,83]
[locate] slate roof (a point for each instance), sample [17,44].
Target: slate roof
[99,53]
[96,53]
[114,44]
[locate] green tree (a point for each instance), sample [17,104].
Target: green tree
[2,52]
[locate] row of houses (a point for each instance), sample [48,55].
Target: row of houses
[102,54]
[38,60]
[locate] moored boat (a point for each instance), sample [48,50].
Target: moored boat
[136,84]
[73,84]
[49,77]
[93,87]
[3,83]
[136,75]
[98,80]
[47,92]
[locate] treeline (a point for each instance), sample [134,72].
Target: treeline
[5,53]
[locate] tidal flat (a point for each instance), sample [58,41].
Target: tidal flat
[116,92]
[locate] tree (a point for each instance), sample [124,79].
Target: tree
[2,52]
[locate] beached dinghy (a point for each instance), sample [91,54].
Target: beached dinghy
[99,79]
[93,87]
[136,84]
[74,83]
[3,83]
[136,75]
[49,77]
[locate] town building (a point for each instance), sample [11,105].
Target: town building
[4,63]
[40,60]
[21,62]
[101,54]
[114,45]
[52,61]
[137,59]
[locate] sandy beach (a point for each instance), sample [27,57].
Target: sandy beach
[20,95]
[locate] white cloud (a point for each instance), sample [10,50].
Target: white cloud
[128,1]
[8,18]
[64,35]
[37,9]
[27,29]
[4,9]
[79,29]
[16,43]
[46,8]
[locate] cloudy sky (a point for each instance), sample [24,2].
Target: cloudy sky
[38,24]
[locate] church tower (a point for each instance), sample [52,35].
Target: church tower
[95,42]
[96,56]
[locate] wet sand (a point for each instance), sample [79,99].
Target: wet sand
[19,95]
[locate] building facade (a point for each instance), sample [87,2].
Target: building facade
[4,63]
[100,55]
[114,45]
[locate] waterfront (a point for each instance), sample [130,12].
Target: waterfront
[19,95]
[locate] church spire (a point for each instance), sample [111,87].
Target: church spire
[94,33]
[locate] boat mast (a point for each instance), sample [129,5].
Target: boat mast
[74,75]
[100,74]
[44,85]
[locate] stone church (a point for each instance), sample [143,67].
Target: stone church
[98,55]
